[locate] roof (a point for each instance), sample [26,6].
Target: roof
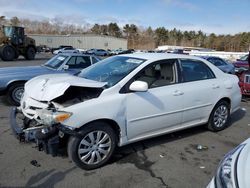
[75,54]
[159,56]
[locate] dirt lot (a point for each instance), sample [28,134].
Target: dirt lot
[167,161]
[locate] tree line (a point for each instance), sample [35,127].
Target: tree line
[138,37]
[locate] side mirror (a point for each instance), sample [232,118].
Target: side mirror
[139,86]
[65,67]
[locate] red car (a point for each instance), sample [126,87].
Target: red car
[241,64]
[244,82]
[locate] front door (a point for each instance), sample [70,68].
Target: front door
[158,109]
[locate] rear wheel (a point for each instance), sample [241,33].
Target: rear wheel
[219,117]
[15,93]
[94,147]
[30,53]
[7,53]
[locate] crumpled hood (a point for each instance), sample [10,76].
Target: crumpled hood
[51,86]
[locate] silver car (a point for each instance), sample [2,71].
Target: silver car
[12,79]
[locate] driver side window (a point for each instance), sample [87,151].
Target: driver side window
[159,74]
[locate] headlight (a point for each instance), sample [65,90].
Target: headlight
[224,176]
[48,117]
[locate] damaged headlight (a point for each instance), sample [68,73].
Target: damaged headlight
[48,117]
[224,176]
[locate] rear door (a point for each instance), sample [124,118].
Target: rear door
[201,91]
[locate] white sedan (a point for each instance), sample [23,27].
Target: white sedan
[66,50]
[234,169]
[124,99]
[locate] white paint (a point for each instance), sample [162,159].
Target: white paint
[141,115]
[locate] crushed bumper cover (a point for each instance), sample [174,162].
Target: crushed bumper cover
[16,129]
[50,142]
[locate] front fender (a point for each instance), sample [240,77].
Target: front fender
[111,107]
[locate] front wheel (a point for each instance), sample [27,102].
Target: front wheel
[15,93]
[219,117]
[94,147]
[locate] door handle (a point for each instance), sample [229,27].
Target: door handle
[178,93]
[215,86]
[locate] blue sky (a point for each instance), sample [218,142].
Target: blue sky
[218,16]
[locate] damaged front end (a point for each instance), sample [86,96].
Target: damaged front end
[42,121]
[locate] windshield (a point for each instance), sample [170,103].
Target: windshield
[8,31]
[111,70]
[244,58]
[56,61]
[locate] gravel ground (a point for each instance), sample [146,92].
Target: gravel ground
[171,160]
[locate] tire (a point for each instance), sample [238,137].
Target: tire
[15,93]
[30,53]
[216,123]
[89,149]
[7,53]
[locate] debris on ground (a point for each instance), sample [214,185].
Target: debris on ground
[200,147]
[35,163]
[162,155]
[243,109]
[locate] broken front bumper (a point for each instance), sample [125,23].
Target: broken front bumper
[50,141]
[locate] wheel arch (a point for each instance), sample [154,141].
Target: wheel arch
[31,46]
[14,82]
[226,99]
[113,124]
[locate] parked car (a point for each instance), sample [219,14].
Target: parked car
[116,52]
[241,64]
[244,82]
[233,170]
[66,50]
[221,64]
[124,99]
[12,79]
[129,51]
[98,52]
[60,47]
[43,48]
[179,51]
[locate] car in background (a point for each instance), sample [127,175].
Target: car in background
[116,52]
[12,79]
[129,51]
[66,50]
[241,64]
[234,169]
[60,47]
[98,52]
[244,82]
[124,99]
[221,64]
[179,51]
